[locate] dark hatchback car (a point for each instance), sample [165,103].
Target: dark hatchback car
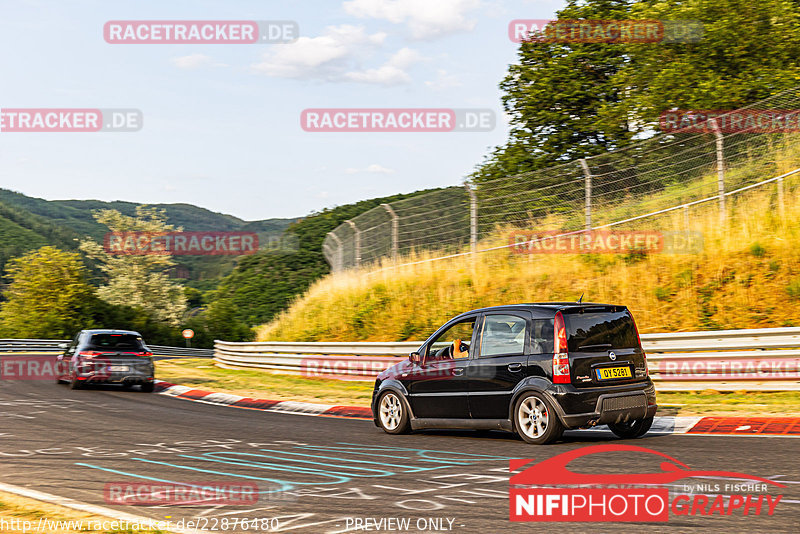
[533,369]
[107,357]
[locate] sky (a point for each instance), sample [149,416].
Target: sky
[221,122]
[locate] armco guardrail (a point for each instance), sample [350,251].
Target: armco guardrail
[765,359]
[52,345]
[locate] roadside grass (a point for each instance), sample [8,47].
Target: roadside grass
[202,374]
[15,510]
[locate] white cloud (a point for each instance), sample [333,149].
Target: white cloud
[426,19]
[393,72]
[372,169]
[331,56]
[195,61]
[443,81]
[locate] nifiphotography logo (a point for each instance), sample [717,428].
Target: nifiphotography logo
[548,491]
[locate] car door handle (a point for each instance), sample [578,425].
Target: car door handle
[458,372]
[514,367]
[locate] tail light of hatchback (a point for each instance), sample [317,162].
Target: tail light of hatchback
[88,354]
[561,353]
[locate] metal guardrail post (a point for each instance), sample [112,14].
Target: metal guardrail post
[473,219]
[720,167]
[588,194]
[395,229]
[781,207]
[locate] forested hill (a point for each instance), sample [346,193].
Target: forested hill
[27,223]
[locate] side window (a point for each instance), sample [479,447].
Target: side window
[453,343]
[503,334]
[542,339]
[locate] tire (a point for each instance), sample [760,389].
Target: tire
[148,387]
[631,429]
[393,414]
[535,419]
[74,383]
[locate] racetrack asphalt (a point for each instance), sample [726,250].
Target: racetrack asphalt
[324,474]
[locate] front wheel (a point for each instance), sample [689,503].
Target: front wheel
[392,414]
[536,420]
[631,429]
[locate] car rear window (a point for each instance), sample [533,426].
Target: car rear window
[600,331]
[116,342]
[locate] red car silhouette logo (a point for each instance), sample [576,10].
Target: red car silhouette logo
[553,471]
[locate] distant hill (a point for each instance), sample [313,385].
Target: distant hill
[27,223]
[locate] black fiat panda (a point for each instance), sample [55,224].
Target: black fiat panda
[533,369]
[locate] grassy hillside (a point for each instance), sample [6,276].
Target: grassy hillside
[748,275]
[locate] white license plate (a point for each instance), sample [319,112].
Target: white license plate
[113,368]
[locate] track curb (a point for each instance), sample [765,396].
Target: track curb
[265,405]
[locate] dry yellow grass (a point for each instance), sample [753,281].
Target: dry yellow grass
[748,275]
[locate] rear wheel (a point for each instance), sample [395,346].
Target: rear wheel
[148,387]
[392,414]
[536,421]
[74,383]
[631,429]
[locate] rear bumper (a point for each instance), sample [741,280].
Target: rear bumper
[586,407]
[126,377]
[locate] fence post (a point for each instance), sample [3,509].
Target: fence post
[781,209]
[686,216]
[357,241]
[395,229]
[473,219]
[720,168]
[588,206]
[338,259]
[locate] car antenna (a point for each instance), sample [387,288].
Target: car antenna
[581,299]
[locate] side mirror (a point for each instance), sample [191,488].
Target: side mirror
[414,357]
[63,345]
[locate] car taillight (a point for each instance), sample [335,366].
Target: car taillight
[146,354]
[561,354]
[89,353]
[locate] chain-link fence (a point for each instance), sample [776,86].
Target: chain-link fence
[708,159]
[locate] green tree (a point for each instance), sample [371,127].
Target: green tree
[555,96]
[49,296]
[572,100]
[138,281]
[748,52]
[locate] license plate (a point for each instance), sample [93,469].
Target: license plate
[608,373]
[113,368]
